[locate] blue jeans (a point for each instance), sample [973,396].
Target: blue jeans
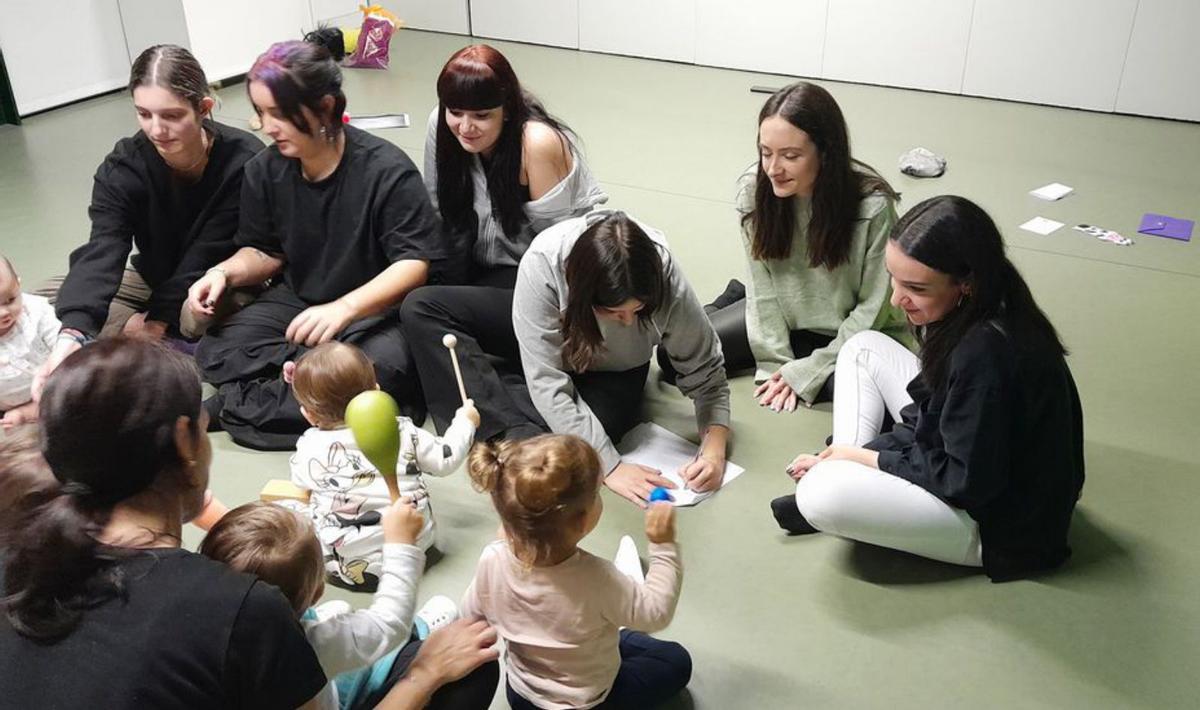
[651,673]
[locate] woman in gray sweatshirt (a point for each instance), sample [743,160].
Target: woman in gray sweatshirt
[594,296]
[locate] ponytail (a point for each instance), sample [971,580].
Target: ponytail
[108,417]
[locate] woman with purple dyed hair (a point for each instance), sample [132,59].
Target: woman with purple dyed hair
[339,222]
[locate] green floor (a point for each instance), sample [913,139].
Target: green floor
[817,622]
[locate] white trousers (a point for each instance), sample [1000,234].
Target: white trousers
[858,502]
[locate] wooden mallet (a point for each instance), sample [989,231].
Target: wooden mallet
[451,342]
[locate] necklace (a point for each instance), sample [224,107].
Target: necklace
[203,155]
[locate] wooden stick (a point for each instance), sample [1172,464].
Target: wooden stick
[451,342]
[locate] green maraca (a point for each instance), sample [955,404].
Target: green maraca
[371,417]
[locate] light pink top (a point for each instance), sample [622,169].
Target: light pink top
[560,623]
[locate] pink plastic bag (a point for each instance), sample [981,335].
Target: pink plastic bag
[374,40]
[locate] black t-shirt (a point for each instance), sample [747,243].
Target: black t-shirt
[341,232]
[1003,440]
[180,229]
[189,633]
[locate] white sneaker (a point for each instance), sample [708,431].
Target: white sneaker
[439,611]
[627,560]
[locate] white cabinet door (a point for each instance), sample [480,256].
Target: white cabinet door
[920,44]
[1162,68]
[228,35]
[62,52]
[1060,52]
[773,36]
[658,29]
[436,15]
[550,22]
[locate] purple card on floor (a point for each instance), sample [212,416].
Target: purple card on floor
[1160,225]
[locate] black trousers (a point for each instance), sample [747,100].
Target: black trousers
[728,317]
[652,672]
[480,316]
[244,359]
[472,692]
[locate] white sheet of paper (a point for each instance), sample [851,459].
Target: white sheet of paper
[1053,191]
[1042,226]
[650,445]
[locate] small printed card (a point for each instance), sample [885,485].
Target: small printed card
[1053,191]
[1042,226]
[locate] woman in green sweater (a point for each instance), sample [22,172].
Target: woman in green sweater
[814,222]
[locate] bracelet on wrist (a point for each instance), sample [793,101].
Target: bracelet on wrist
[76,336]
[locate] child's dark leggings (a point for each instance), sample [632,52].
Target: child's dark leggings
[652,672]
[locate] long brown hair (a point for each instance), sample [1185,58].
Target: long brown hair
[613,261]
[108,417]
[479,77]
[539,486]
[173,68]
[841,183]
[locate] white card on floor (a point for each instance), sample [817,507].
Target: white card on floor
[650,445]
[1042,226]
[1053,191]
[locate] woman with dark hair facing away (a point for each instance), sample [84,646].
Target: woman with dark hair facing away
[339,221]
[986,463]
[594,296]
[500,170]
[172,190]
[101,607]
[814,222]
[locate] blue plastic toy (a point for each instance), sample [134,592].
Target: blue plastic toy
[660,493]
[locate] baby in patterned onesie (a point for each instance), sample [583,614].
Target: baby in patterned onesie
[347,493]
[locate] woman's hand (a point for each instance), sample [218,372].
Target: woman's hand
[704,473]
[320,324]
[206,292]
[776,394]
[142,329]
[804,462]
[450,653]
[635,482]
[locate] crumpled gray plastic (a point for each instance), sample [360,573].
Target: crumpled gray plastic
[922,162]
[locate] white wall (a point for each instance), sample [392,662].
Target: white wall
[228,35]
[62,52]
[550,22]
[774,36]
[435,15]
[1064,52]
[660,29]
[919,44]
[1162,69]
[151,22]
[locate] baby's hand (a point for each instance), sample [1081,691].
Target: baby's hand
[402,522]
[660,522]
[468,409]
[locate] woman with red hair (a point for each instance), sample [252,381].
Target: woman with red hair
[500,170]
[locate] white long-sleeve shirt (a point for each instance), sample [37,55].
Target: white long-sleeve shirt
[346,640]
[561,624]
[24,348]
[329,463]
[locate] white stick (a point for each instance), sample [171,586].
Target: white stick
[451,343]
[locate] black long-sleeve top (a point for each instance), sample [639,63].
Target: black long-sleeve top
[180,229]
[1003,440]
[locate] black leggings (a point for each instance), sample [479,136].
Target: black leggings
[728,317]
[480,317]
[244,358]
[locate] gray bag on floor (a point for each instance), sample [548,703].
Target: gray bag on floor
[922,162]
